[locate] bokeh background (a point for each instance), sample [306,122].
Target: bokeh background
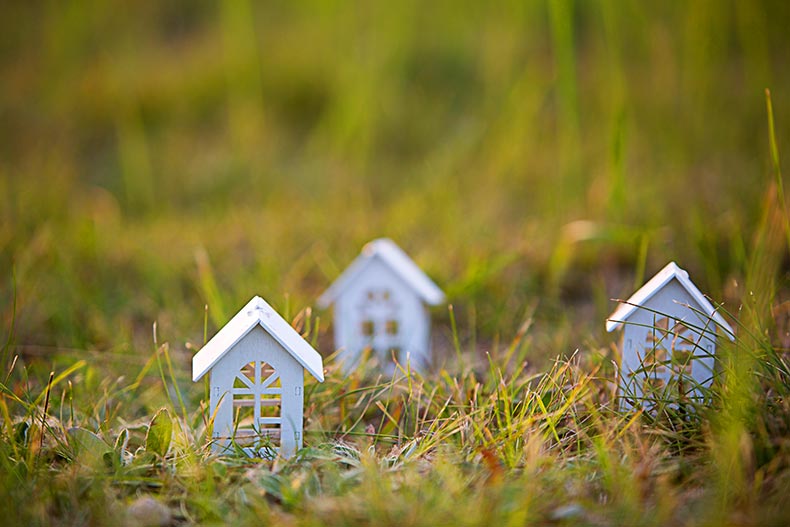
[533,157]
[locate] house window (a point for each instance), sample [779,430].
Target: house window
[392,327]
[681,361]
[371,295]
[656,341]
[655,360]
[669,347]
[385,294]
[367,328]
[651,385]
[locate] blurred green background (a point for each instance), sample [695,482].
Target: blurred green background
[156,157]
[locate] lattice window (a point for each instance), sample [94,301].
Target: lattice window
[653,384]
[669,353]
[684,342]
[257,406]
[656,353]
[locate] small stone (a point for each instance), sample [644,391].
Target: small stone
[147,512]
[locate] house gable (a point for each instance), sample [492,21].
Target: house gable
[655,290]
[258,345]
[387,252]
[377,275]
[257,313]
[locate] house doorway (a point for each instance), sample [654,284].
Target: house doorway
[257,408]
[668,356]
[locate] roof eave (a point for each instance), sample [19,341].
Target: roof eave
[317,374]
[335,290]
[207,348]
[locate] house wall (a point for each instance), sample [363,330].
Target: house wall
[353,307]
[638,330]
[258,345]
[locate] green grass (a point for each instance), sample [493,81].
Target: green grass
[536,158]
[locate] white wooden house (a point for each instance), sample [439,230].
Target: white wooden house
[381,305]
[669,338]
[256,364]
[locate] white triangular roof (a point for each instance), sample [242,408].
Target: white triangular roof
[654,285]
[257,313]
[393,256]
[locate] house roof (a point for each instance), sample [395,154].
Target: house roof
[385,250]
[654,285]
[257,313]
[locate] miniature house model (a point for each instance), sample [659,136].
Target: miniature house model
[669,338]
[381,306]
[256,365]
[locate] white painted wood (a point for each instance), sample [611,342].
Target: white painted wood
[398,261]
[670,272]
[257,312]
[380,306]
[256,377]
[669,338]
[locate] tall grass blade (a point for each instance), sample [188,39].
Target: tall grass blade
[777,169]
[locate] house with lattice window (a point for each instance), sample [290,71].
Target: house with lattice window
[381,309]
[256,365]
[669,339]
